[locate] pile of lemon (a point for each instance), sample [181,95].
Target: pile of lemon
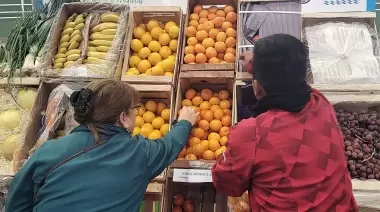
[152,120]
[153,48]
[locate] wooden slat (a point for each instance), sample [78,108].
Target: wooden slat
[367,185]
[21,81]
[340,15]
[208,67]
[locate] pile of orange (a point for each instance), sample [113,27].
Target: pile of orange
[152,120]
[211,35]
[210,134]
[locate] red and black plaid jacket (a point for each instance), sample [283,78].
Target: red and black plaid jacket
[288,161]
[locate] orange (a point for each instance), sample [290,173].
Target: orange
[234,26]
[205,136]
[227,112]
[220,47]
[212,33]
[146,129]
[207,115]
[224,148]
[224,95]
[218,152]
[194,141]
[190,58]
[139,121]
[231,50]
[220,56]
[226,121]
[202,21]
[231,17]
[211,52]
[158,122]
[148,116]
[201,26]
[201,35]
[192,41]
[209,25]
[190,93]
[206,94]
[186,102]
[198,150]
[205,105]
[221,37]
[208,155]
[164,129]
[191,31]
[189,150]
[199,48]
[198,8]
[194,23]
[160,107]
[182,153]
[231,32]
[205,143]
[151,106]
[211,16]
[229,58]
[198,132]
[224,131]
[191,157]
[194,16]
[223,140]
[141,111]
[213,145]
[214,107]
[225,104]
[189,50]
[208,42]
[228,8]
[203,14]
[213,136]
[204,125]
[197,100]
[201,58]
[220,13]
[214,100]
[212,9]
[216,125]
[230,42]
[226,25]
[214,60]
[218,114]
[218,21]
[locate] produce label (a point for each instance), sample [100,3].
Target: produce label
[192,176]
[338,6]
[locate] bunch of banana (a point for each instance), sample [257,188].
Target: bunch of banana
[101,37]
[71,37]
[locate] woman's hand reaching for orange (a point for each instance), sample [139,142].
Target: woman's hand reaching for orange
[188,114]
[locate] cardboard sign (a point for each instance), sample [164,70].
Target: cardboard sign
[192,175]
[312,6]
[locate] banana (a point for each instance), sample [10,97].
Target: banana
[101,42]
[79,26]
[72,51]
[73,45]
[67,31]
[110,18]
[60,60]
[73,57]
[59,55]
[99,55]
[98,36]
[104,26]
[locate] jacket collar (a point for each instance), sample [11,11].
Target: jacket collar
[107,130]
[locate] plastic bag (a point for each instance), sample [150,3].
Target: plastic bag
[343,53]
[239,204]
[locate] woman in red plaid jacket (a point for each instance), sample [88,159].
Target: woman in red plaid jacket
[290,156]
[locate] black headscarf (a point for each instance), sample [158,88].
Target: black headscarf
[280,64]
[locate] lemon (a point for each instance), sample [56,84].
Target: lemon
[136,45]
[156,32]
[165,114]
[165,52]
[159,64]
[168,65]
[154,58]
[158,122]
[133,61]
[168,74]
[146,129]
[164,129]
[142,26]
[148,72]
[138,32]
[146,38]
[151,106]
[139,121]
[141,111]
[132,71]
[136,131]
[173,31]
[144,52]
[168,25]
[156,134]
[152,24]
[148,116]
[160,107]
[171,57]
[173,45]
[154,46]
[164,39]
[157,71]
[143,65]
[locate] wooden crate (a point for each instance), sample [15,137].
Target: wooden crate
[141,15]
[206,66]
[203,196]
[153,198]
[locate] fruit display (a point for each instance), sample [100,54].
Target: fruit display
[211,35]
[209,135]
[101,38]
[152,120]
[68,50]
[153,49]
[361,131]
[180,204]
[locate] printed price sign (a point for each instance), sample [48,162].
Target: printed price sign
[192,175]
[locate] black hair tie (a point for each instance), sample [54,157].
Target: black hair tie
[81,101]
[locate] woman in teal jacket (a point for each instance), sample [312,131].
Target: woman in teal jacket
[99,166]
